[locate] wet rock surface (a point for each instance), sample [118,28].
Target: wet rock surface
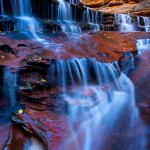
[68,89]
[43,110]
[141,80]
[105,46]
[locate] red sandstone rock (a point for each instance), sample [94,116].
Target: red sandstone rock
[39,117]
[135,7]
[17,139]
[105,46]
[50,127]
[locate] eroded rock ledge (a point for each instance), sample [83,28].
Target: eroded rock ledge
[105,46]
[43,111]
[135,7]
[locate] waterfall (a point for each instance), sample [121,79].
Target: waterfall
[99,96]
[2,7]
[140,23]
[9,86]
[79,71]
[74,1]
[146,25]
[23,13]
[125,22]
[65,18]
[34,145]
[21,8]
[91,17]
[64,11]
[129,23]
[144,44]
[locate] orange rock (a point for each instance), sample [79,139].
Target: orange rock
[135,7]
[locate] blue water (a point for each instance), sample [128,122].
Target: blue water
[9,86]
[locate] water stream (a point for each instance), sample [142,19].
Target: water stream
[100,98]
[9,86]
[129,23]
[125,22]
[91,18]
[105,106]
[2,8]
[65,18]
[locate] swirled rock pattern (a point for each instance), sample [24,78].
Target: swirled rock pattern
[137,7]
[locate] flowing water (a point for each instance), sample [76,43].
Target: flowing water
[144,43]
[65,18]
[91,17]
[102,107]
[9,86]
[2,8]
[101,100]
[35,144]
[24,16]
[125,22]
[74,1]
[21,8]
[129,24]
[146,24]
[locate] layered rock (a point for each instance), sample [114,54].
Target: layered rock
[135,7]
[41,106]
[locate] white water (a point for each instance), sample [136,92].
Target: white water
[91,19]
[63,69]
[105,108]
[64,11]
[125,22]
[102,118]
[146,21]
[144,44]
[127,25]
[97,106]
[34,145]
[22,11]
[65,18]
[21,7]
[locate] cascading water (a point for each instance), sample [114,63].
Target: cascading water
[125,23]
[25,20]
[146,25]
[91,19]
[129,23]
[2,7]
[65,18]
[78,71]
[23,13]
[99,98]
[9,86]
[64,11]
[34,145]
[24,8]
[74,1]
[144,43]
